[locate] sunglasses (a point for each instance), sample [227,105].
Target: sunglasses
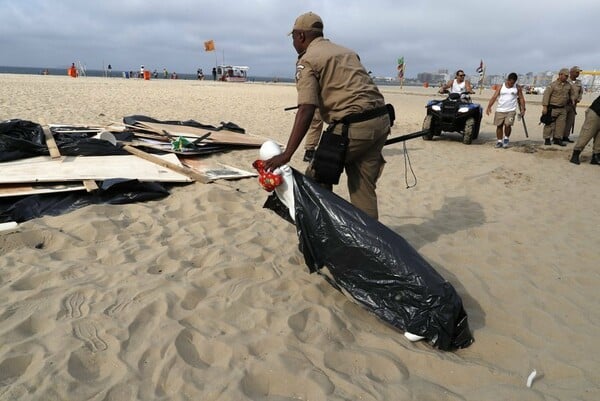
[461,75]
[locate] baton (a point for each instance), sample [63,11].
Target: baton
[523,119]
[406,137]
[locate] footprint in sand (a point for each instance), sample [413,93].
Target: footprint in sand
[87,331]
[74,306]
[11,369]
[192,298]
[201,352]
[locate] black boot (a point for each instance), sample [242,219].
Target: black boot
[559,142]
[575,157]
[547,142]
[566,139]
[595,158]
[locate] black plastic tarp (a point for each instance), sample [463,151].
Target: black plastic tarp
[20,139]
[115,191]
[375,265]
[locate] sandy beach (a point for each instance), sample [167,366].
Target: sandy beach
[203,295]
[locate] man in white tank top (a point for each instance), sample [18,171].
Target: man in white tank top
[509,95]
[457,85]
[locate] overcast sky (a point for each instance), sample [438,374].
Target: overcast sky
[509,35]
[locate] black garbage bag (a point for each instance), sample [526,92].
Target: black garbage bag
[375,266]
[115,191]
[20,139]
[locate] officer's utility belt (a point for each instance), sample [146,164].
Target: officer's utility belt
[330,156]
[556,107]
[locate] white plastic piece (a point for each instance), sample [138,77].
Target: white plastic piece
[107,136]
[413,337]
[285,191]
[531,378]
[269,149]
[11,225]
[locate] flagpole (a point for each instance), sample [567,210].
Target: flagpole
[482,79]
[402,80]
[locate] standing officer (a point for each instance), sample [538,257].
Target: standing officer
[578,88]
[331,78]
[556,97]
[589,130]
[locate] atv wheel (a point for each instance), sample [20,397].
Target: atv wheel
[427,127]
[468,135]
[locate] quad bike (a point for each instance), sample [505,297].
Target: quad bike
[456,113]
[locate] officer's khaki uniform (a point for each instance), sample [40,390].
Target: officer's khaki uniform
[570,121]
[557,95]
[311,140]
[591,128]
[332,78]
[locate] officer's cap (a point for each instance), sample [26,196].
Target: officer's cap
[308,22]
[564,71]
[576,69]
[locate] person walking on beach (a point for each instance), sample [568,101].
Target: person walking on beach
[507,95]
[590,130]
[457,85]
[571,112]
[331,78]
[165,73]
[556,97]
[214,73]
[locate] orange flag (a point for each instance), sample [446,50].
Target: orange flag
[209,45]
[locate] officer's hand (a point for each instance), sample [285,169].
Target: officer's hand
[276,161]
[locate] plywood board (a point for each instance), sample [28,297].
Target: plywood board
[7,190]
[222,136]
[79,168]
[215,170]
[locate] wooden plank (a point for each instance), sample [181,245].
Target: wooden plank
[90,185]
[222,136]
[7,190]
[170,165]
[54,153]
[80,168]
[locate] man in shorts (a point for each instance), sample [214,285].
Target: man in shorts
[509,96]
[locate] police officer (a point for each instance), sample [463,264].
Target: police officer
[590,130]
[556,98]
[331,78]
[578,88]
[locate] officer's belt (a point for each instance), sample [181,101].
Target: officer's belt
[557,107]
[364,116]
